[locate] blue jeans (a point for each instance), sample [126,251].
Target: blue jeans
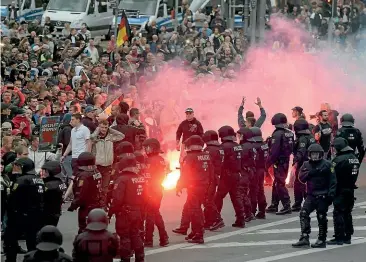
[66,168]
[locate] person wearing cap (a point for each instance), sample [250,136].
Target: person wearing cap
[6,129]
[297,112]
[250,120]
[129,197]
[89,118]
[96,230]
[25,208]
[49,241]
[189,127]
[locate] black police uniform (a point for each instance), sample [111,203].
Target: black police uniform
[53,196]
[321,185]
[25,209]
[213,219]
[303,140]
[155,174]
[96,243]
[248,179]
[262,150]
[128,199]
[346,166]
[87,189]
[196,173]
[141,165]
[49,241]
[352,135]
[279,156]
[231,174]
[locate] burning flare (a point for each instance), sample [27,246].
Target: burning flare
[171,179]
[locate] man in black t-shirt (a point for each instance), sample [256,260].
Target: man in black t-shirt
[323,133]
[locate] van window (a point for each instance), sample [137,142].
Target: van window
[39,3]
[102,6]
[27,4]
[161,11]
[91,7]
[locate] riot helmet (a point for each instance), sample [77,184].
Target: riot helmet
[49,238]
[152,146]
[315,152]
[279,120]
[128,163]
[125,147]
[52,167]
[245,134]
[86,159]
[210,135]
[301,126]
[97,220]
[227,133]
[257,134]
[341,145]
[194,143]
[347,120]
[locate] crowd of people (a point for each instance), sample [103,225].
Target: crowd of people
[111,135]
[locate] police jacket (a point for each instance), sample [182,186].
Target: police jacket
[27,194]
[281,146]
[196,171]
[155,172]
[54,191]
[232,158]
[87,189]
[262,153]
[319,177]
[188,129]
[346,167]
[302,142]
[105,251]
[217,156]
[55,256]
[248,156]
[128,192]
[354,137]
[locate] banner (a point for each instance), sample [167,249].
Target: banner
[48,133]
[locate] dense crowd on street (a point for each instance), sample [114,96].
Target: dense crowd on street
[111,135]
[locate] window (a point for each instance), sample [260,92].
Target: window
[102,6]
[39,3]
[91,7]
[27,4]
[161,11]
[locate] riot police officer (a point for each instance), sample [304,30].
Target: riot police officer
[196,174]
[303,140]
[318,174]
[96,230]
[87,189]
[49,241]
[128,199]
[279,157]
[155,173]
[262,149]
[230,175]
[346,166]
[25,208]
[53,196]
[352,135]
[213,220]
[248,181]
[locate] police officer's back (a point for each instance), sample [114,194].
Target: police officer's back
[48,247]
[96,231]
[352,134]
[53,196]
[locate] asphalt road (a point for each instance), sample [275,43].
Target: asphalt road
[261,241]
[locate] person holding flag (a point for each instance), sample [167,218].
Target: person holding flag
[124,30]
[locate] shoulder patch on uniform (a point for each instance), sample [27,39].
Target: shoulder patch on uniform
[332,169]
[81,183]
[15,186]
[302,144]
[338,133]
[273,140]
[115,186]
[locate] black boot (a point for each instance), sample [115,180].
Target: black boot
[180,230]
[303,241]
[285,210]
[319,244]
[272,208]
[217,225]
[260,215]
[190,236]
[296,207]
[164,242]
[239,223]
[335,241]
[196,239]
[249,217]
[148,243]
[347,239]
[125,259]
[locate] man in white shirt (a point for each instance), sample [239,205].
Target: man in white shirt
[92,52]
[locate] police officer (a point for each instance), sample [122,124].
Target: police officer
[352,135]
[25,208]
[49,241]
[248,181]
[155,173]
[230,175]
[213,220]
[346,166]
[303,140]
[96,231]
[128,199]
[262,149]
[318,174]
[55,188]
[279,157]
[87,188]
[196,174]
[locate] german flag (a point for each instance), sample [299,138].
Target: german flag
[124,30]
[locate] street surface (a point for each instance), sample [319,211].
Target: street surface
[261,241]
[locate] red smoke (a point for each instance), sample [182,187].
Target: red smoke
[282,79]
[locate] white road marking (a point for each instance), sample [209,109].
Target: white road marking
[298,253]
[254,243]
[294,230]
[353,217]
[362,207]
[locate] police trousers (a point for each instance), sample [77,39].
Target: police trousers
[245,190]
[342,214]
[259,199]
[230,184]
[128,225]
[196,197]
[106,178]
[210,211]
[280,193]
[299,189]
[320,204]
[153,217]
